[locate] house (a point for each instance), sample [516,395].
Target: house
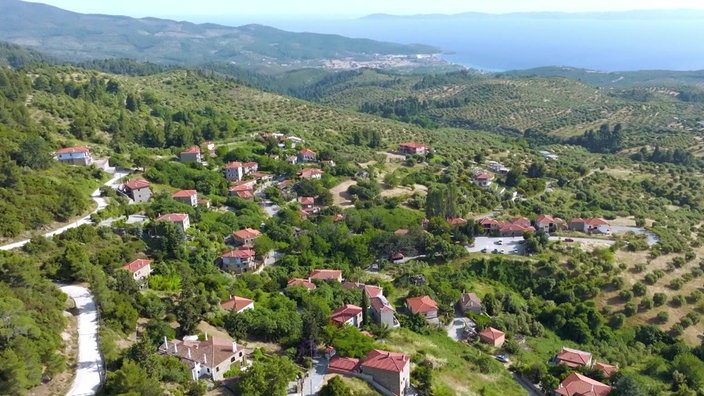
[484,180]
[79,155]
[238,261]
[246,236]
[549,224]
[412,148]
[211,358]
[589,225]
[191,155]
[492,336]
[234,171]
[310,173]
[326,274]
[140,268]
[137,190]
[307,155]
[470,302]
[292,159]
[188,197]
[237,304]
[204,202]
[397,257]
[209,147]
[401,231]
[391,370]
[573,358]
[423,305]
[301,282]
[382,312]
[306,202]
[285,185]
[243,189]
[343,365]
[370,290]
[348,314]
[180,219]
[262,177]
[490,225]
[580,385]
[607,369]
[457,221]
[514,230]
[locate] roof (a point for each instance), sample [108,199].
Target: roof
[184,193]
[338,217]
[301,282]
[136,184]
[492,334]
[577,384]
[352,285]
[470,299]
[307,152]
[397,256]
[343,363]
[175,217]
[191,150]
[239,253]
[421,304]
[544,219]
[577,220]
[326,274]
[236,303]
[488,221]
[247,233]
[522,221]
[413,145]
[251,164]
[387,361]
[373,291]
[516,227]
[241,187]
[71,150]
[380,304]
[573,357]
[308,172]
[401,231]
[606,369]
[595,222]
[247,194]
[233,165]
[484,176]
[456,221]
[284,184]
[137,265]
[345,313]
[211,352]
[306,200]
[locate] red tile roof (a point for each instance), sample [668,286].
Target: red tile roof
[595,222]
[251,164]
[421,304]
[136,184]
[338,217]
[491,334]
[175,217]
[343,363]
[301,282]
[544,219]
[412,145]
[233,165]
[484,177]
[247,233]
[211,352]
[184,194]
[388,361]
[245,194]
[239,253]
[373,291]
[326,274]
[309,172]
[236,303]
[456,221]
[401,231]
[71,150]
[380,303]
[191,150]
[307,153]
[137,265]
[345,313]
[577,384]
[607,369]
[470,299]
[306,200]
[488,221]
[573,357]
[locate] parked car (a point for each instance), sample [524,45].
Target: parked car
[503,358]
[484,250]
[499,242]
[568,240]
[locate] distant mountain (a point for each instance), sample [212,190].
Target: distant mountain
[78,37]
[15,56]
[622,79]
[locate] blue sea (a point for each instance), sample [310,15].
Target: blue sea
[499,43]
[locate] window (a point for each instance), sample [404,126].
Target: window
[217,369]
[232,360]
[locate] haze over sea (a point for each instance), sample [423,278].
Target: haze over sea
[636,40]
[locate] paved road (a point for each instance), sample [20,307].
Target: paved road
[102,203]
[315,378]
[89,366]
[509,245]
[585,240]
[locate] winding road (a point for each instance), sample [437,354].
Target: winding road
[89,366]
[102,203]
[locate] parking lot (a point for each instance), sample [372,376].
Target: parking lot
[497,245]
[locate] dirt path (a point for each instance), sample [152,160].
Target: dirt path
[340,196]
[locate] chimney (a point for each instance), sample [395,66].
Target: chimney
[189,353]
[206,336]
[175,348]
[205,359]
[166,344]
[234,346]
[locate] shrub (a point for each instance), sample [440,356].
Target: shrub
[625,295]
[678,300]
[662,317]
[630,309]
[659,299]
[676,284]
[639,289]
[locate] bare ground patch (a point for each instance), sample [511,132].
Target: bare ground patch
[340,196]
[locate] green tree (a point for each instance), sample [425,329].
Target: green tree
[131,379]
[335,387]
[267,376]
[35,153]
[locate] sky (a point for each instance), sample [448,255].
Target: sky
[197,10]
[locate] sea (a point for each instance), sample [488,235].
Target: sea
[522,41]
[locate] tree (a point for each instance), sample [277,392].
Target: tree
[190,309]
[34,152]
[131,379]
[348,341]
[513,178]
[335,387]
[267,376]
[627,385]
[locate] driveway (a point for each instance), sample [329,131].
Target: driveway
[315,378]
[89,366]
[455,330]
[102,204]
[509,245]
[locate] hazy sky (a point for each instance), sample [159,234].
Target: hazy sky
[351,8]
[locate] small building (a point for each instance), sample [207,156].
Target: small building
[470,302]
[573,358]
[589,225]
[237,304]
[457,221]
[348,314]
[310,173]
[191,154]
[307,155]
[514,230]
[606,369]
[412,148]
[549,224]
[238,261]
[180,219]
[484,180]
[234,171]
[343,365]
[210,358]
[579,385]
[137,190]
[401,231]
[326,274]
[79,155]
[492,336]
[301,282]
[188,197]
[246,236]
[391,370]
[140,268]
[306,202]
[490,225]
[292,159]
[423,305]
[382,312]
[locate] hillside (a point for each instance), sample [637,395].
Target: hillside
[623,79]
[75,37]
